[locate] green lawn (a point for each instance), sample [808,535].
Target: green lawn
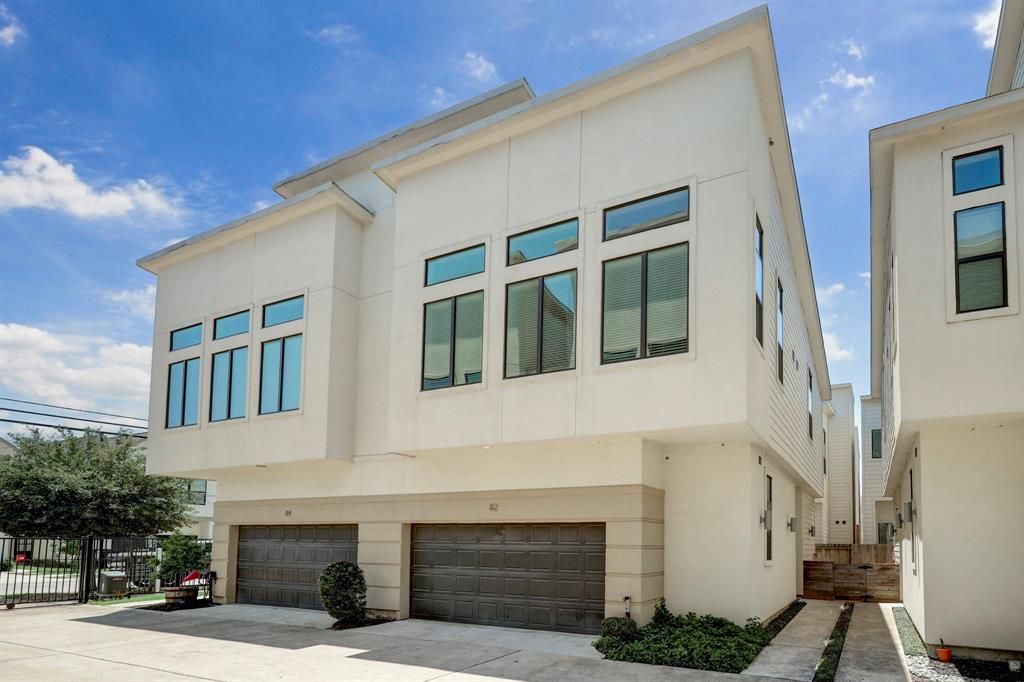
[158,596]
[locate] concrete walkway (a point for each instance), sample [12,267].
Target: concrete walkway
[795,652]
[872,650]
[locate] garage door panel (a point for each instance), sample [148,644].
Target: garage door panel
[542,576]
[281,565]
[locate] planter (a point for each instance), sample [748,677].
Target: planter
[945,654]
[181,595]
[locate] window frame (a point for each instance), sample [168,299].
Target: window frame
[810,404]
[1002,169]
[192,492]
[426,264]
[871,435]
[643,305]
[451,331]
[184,382]
[248,329]
[759,296]
[231,379]
[264,306]
[170,339]
[280,379]
[641,199]
[983,257]
[509,238]
[769,516]
[540,325]
[780,331]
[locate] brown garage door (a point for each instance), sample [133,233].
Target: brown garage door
[280,565]
[541,576]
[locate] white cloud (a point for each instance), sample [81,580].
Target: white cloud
[260,205]
[441,98]
[37,180]
[834,351]
[827,295]
[138,302]
[11,30]
[804,116]
[849,81]
[73,370]
[987,23]
[336,34]
[477,66]
[855,50]
[865,277]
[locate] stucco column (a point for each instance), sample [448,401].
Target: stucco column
[384,552]
[634,567]
[223,562]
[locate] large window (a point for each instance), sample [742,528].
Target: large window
[980,234]
[197,491]
[544,241]
[768,517]
[876,443]
[647,213]
[779,334]
[978,170]
[540,325]
[228,384]
[646,305]
[187,337]
[758,281]
[455,265]
[232,325]
[281,378]
[183,393]
[453,340]
[284,311]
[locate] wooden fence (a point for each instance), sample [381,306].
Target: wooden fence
[872,582]
[855,554]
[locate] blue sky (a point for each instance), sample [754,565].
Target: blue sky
[126,126]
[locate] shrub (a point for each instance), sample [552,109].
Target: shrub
[623,629]
[343,591]
[7,564]
[181,555]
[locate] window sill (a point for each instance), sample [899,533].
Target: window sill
[275,415]
[449,390]
[658,361]
[953,318]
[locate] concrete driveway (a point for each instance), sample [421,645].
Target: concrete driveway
[88,642]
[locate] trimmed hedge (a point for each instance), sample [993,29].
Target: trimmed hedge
[343,592]
[689,641]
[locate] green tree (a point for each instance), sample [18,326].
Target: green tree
[181,555]
[70,486]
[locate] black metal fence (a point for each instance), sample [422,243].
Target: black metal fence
[41,570]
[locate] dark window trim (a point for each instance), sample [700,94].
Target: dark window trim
[957,261]
[184,383]
[451,349]
[663,223]
[540,326]
[170,339]
[231,379]
[643,304]
[759,299]
[263,314]
[192,493]
[1002,174]
[810,405]
[780,316]
[872,436]
[426,264]
[213,329]
[508,241]
[769,514]
[280,377]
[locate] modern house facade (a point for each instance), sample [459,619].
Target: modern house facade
[531,361]
[948,354]
[876,512]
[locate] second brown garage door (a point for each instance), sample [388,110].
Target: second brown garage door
[281,565]
[540,576]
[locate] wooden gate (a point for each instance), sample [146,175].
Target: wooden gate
[855,582]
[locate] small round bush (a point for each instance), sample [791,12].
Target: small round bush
[623,629]
[343,591]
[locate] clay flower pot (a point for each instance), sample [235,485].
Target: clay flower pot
[945,654]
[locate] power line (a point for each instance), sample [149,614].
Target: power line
[64,416]
[74,409]
[72,428]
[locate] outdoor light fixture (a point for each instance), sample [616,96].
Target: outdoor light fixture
[791,524]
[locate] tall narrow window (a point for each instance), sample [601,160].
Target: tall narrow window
[183,393]
[980,258]
[768,517]
[228,384]
[453,333]
[810,405]
[876,443]
[758,281]
[281,374]
[646,305]
[540,325]
[780,369]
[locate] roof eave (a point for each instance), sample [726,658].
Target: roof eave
[1005,50]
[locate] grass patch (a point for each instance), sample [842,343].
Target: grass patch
[690,641]
[829,663]
[156,596]
[913,645]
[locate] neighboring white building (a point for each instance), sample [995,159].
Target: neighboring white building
[876,510]
[532,361]
[204,494]
[840,507]
[947,262]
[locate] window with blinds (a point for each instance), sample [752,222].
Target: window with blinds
[453,334]
[646,305]
[540,325]
[980,234]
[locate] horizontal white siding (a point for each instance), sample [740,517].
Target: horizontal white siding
[870,418]
[841,458]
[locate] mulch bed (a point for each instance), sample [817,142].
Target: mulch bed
[366,622]
[179,606]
